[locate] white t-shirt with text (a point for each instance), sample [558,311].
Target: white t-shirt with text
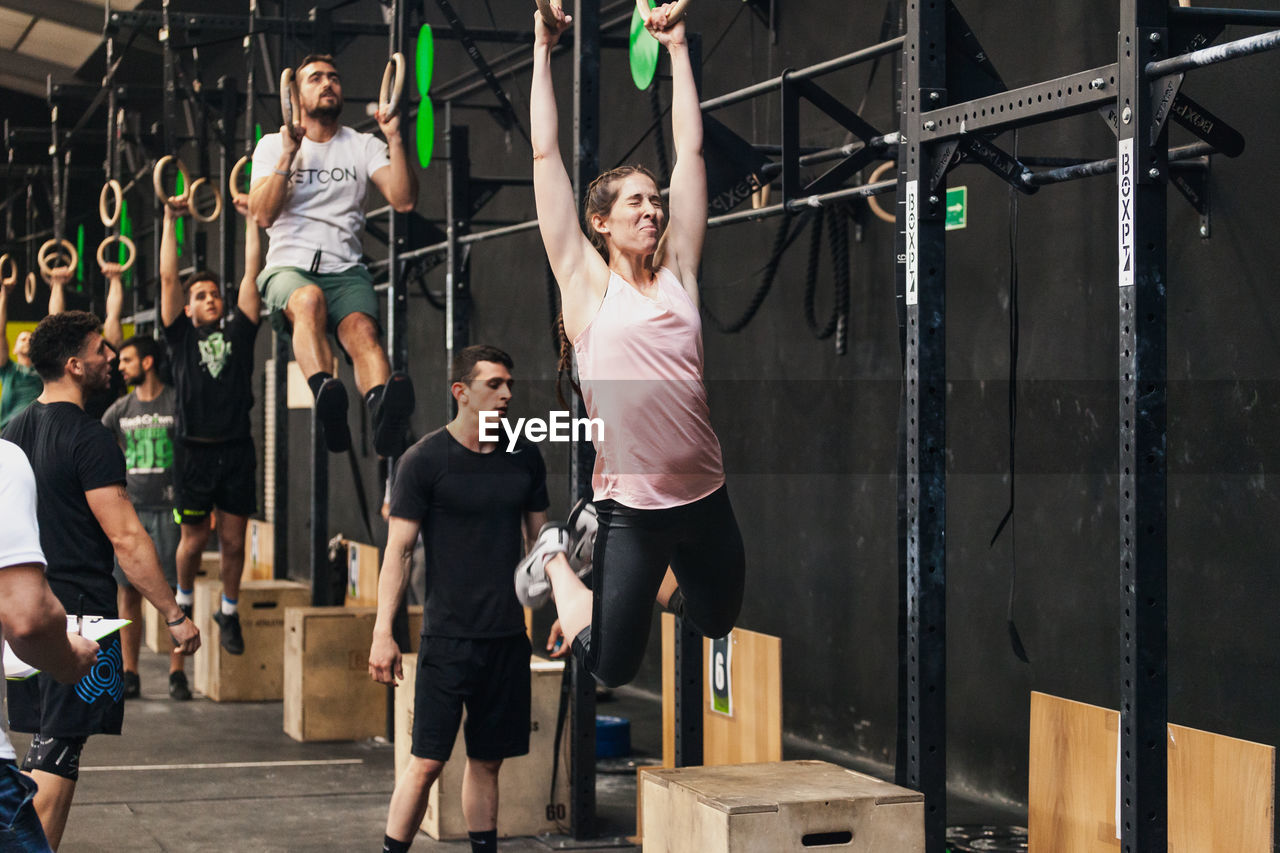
[19,541]
[324,210]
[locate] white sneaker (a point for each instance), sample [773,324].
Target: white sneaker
[583,523]
[532,586]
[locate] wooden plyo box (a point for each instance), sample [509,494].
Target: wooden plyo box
[258,674]
[522,783]
[259,551]
[778,807]
[155,634]
[363,562]
[328,694]
[210,563]
[1221,793]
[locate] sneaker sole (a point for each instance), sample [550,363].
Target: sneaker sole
[397,405]
[331,411]
[533,587]
[582,542]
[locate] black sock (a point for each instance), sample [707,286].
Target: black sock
[483,842]
[373,397]
[390,845]
[315,380]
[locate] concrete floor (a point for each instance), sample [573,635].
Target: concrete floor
[201,776]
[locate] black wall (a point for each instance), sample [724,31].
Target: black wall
[810,437]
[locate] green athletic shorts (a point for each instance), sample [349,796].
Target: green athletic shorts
[346,292]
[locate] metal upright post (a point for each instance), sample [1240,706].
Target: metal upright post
[688,641]
[457,303]
[1142,173]
[321,580]
[397,322]
[923,269]
[586,165]
[226,159]
[397,229]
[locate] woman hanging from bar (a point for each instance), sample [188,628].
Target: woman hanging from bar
[629,293]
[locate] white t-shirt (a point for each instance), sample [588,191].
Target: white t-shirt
[19,540]
[324,210]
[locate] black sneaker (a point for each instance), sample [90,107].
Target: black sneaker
[232,638]
[391,415]
[178,689]
[132,685]
[331,411]
[187,611]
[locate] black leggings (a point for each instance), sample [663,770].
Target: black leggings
[701,543]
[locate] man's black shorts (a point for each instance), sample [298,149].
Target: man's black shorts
[214,475]
[490,677]
[93,705]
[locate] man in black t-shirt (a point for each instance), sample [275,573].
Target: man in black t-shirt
[472,500]
[212,359]
[84,514]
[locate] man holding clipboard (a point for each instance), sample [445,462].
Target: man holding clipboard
[84,515]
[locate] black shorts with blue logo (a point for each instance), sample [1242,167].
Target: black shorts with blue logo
[94,705]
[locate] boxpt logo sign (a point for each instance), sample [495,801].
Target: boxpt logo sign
[1124,170]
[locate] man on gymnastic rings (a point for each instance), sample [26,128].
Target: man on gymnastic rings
[308,191]
[630,294]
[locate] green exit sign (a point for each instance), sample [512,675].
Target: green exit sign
[957,208]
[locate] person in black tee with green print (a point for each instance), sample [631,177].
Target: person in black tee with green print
[212,358]
[143,423]
[476,504]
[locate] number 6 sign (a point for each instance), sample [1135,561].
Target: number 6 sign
[721,675]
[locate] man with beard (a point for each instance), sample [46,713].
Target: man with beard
[19,382]
[143,424]
[84,514]
[308,191]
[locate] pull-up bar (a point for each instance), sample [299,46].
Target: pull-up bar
[1213,55]
[885,47]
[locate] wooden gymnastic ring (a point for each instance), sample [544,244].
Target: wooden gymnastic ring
[124,241]
[11,279]
[234,184]
[217,201]
[872,201]
[392,86]
[110,188]
[676,14]
[30,288]
[290,101]
[43,256]
[157,179]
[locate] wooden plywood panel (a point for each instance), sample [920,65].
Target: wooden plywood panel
[1221,793]
[1072,776]
[363,563]
[1221,789]
[259,552]
[754,732]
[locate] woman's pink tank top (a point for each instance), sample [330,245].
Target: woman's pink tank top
[640,365]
